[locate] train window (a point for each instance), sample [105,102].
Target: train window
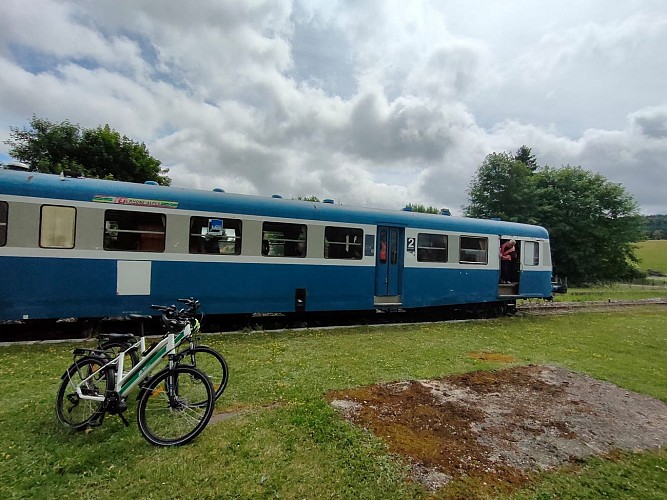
[283,240]
[134,231]
[57,226]
[431,247]
[474,250]
[4,210]
[343,243]
[382,236]
[215,235]
[531,253]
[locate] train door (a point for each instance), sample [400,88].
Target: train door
[510,266]
[388,265]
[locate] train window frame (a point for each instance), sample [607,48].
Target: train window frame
[57,226]
[284,239]
[427,252]
[466,252]
[338,244]
[534,247]
[4,217]
[204,237]
[149,238]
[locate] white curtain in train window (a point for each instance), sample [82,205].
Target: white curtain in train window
[57,226]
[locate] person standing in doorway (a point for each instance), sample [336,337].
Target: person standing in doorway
[507,257]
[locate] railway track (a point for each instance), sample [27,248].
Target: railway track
[70,330]
[544,307]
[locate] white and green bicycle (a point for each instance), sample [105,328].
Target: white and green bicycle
[175,404]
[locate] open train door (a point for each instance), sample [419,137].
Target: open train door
[509,276]
[388,266]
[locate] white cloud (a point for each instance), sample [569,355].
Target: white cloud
[375,103]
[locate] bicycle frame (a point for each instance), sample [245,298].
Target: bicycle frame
[195,329]
[124,383]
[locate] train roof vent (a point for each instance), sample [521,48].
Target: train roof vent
[218,190]
[277,196]
[328,200]
[151,183]
[445,211]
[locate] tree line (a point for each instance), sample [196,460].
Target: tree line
[656,227]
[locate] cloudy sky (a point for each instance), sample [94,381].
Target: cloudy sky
[372,103]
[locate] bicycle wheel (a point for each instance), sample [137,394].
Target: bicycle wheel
[115,347]
[71,410]
[211,362]
[166,414]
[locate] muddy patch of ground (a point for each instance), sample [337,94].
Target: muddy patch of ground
[502,426]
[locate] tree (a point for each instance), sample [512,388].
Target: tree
[67,148]
[502,188]
[592,222]
[414,207]
[525,156]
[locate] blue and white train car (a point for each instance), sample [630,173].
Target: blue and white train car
[89,248]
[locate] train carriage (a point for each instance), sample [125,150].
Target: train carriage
[90,248]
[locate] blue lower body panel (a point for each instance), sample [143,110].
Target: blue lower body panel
[34,288]
[424,287]
[59,288]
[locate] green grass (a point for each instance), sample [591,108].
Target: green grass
[652,254]
[287,442]
[656,289]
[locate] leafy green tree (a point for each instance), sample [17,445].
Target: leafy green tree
[101,152]
[415,207]
[525,155]
[503,188]
[592,222]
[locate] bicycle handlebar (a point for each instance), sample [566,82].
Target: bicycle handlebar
[172,316]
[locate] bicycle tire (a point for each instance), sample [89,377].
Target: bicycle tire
[71,410]
[211,362]
[115,347]
[166,419]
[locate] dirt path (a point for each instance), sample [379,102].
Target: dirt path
[502,426]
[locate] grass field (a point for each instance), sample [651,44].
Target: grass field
[652,254]
[286,442]
[657,289]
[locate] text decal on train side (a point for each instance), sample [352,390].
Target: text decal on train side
[122,200]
